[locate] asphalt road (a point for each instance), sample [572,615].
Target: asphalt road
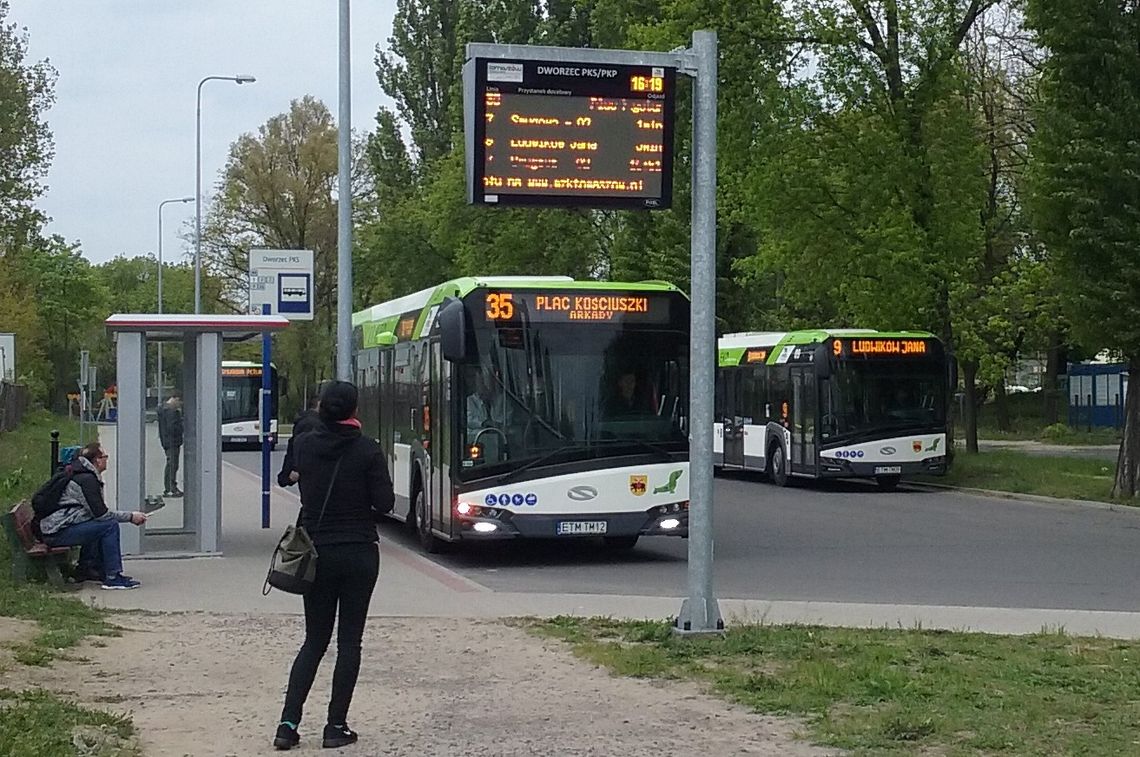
[846,542]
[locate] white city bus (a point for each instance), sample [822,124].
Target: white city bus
[241,414]
[516,407]
[832,403]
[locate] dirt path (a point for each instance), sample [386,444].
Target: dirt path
[200,684]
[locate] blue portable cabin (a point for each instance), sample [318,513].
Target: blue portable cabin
[1096,394]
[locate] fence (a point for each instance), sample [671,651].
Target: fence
[13,403]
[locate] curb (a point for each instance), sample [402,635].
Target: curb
[1033,498]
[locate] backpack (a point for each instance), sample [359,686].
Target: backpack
[46,499]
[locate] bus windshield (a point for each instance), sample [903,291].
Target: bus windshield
[561,392]
[881,397]
[241,388]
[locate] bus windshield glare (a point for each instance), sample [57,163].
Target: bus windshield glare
[571,391]
[874,397]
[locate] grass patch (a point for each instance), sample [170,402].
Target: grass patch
[46,725]
[63,621]
[1011,471]
[887,692]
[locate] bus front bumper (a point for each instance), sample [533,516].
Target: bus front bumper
[839,468]
[658,521]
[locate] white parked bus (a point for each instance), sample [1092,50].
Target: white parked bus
[516,407]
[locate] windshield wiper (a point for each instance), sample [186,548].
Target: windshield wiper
[510,475]
[654,448]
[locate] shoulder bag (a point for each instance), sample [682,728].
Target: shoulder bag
[293,568]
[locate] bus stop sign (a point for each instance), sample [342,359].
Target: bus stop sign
[283,280]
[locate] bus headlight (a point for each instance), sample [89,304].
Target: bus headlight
[669,524]
[485,528]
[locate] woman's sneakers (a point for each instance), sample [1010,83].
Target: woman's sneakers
[338,735]
[287,736]
[120,582]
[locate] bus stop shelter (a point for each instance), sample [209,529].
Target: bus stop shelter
[193,525]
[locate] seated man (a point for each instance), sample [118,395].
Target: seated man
[81,519]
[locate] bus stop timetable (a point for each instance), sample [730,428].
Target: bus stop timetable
[590,135]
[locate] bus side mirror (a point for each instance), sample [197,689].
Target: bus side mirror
[822,362]
[387,339]
[455,337]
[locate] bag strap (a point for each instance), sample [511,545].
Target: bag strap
[329,492]
[301,510]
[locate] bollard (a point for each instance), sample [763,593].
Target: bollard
[54,451]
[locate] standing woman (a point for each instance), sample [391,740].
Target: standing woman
[336,462]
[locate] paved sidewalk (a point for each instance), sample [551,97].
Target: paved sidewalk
[414,587]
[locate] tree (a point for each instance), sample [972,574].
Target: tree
[1086,182]
[278,191]
[26,92]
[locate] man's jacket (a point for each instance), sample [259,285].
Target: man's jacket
[169,426]
[82,501]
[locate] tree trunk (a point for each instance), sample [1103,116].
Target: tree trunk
[1001,405]
[1128,460]
[1050,390]
[970,405]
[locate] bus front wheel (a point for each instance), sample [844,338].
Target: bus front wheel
[887,483]
[428,540]
[779,466]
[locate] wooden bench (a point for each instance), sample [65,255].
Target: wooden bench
[27,549]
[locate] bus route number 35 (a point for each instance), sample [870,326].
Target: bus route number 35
[500,306]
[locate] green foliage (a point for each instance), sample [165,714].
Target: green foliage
[26,92]
[48,725]
[1086,168]
[895,691]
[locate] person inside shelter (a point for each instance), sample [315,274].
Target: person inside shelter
[81,519]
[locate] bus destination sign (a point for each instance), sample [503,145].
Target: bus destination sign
[871,347]
[575,134]
[574,307]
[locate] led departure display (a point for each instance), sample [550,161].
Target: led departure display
[588,135]
[571,307]
[872,347]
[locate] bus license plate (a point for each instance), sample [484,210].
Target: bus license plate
[581,527]
[238,439]
[887,469]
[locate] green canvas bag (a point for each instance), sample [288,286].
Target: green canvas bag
[293,567]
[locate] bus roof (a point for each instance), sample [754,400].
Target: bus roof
[732,346]
[421,301]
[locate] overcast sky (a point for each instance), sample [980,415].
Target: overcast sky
[124,115]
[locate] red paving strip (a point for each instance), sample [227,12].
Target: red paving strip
[401,554]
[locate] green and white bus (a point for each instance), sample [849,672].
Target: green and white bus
[531,407]
[832,403]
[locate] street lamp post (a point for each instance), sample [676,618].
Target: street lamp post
[239,79]
[160,206]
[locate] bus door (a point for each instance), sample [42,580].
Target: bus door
[439,450]
[733,418]
[804,408]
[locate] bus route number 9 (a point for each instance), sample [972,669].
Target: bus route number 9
[500,306]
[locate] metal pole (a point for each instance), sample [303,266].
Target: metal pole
[266,417]
[344,207]
[158,369]
[700,613]
[54,451]
[198,200]
[239,79]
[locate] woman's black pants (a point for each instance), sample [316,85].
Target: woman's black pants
[346,576]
